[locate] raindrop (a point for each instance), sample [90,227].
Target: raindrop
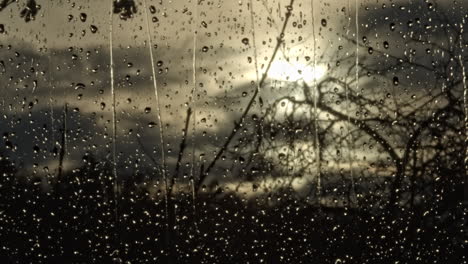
[385,44]
[370,50]
[147,110]
[103,105]
[159,63]
[245,41]
[80,86]
[324,22]
[93,28]
[151,124]
[395,81]
[152,9]
[2,29]
[155,19]
[70,17]
[392,26]
[83,17]
[204,24]
[205,49]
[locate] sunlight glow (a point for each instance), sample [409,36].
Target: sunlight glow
[288,71]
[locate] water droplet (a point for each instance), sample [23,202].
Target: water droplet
[205,49]
[385,44]
[83,17]
[395,81]
[392,26]
[2,29]
[151,124]
[93,28]
[204,24]
[370,50]
[155,19]
[103,105]
[245,41]
[70,17]
[324,22]
[80,86]
[159,63]
[147,110]
[152,9]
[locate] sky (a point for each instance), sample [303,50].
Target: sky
[212,51]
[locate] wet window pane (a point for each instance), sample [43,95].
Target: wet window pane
[253,131]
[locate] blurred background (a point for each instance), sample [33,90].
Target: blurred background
[233,131]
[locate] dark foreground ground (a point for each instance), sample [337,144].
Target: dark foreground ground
[81,223]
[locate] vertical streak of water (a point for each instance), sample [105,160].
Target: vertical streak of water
[114,123]
[357,88]
[192,104]
[257,76]
[158,109]
[465,96]
[348,127]
[357,44]
[316,134]
[252,22]
[49,76]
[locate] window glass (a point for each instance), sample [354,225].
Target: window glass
[252,131]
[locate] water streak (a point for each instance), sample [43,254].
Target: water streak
[347,99]
[348,126]
[192,104]
[49,77]
[316,133]
[114,122]
[158,109]
[465,94]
